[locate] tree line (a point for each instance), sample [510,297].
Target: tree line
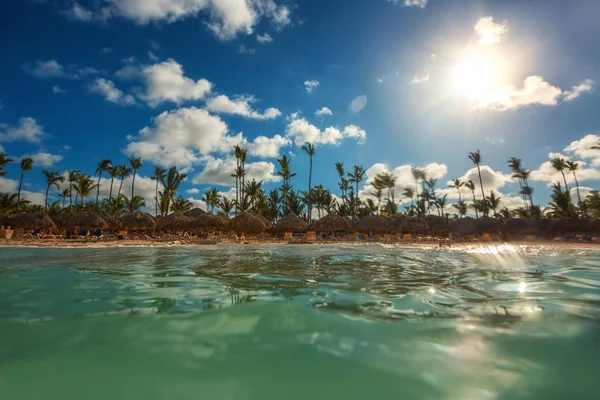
[250,196]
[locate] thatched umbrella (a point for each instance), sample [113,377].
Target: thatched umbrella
[207,221]
[223,216]
[571,226]
[138,221]
[437,224]
[516,225]
[195,212]
[372,223]
[291,223]
[246,223]
[114,224]
[465,226]
[87,221]
[39,220]
[399,224]
[331,223]
[488,225]
[62,219]
[174,221]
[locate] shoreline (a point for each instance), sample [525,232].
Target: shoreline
[423,245]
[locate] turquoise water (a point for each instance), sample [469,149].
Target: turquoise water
[293,322]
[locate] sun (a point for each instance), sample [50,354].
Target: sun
[474,74]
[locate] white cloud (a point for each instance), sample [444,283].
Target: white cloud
[585,86]
[415,3]
[535,91]
[105,50]
[263,39]
[179,136]
[57,89]
[53,69]
[44,159]
[226,18]
[578,151]
[245,50]
[218,171]
[301,131]
[129,72]
[417,79]
[109,91]
[152,56]
[10,186]
[166,82]
[265,147]
[582,148]
[323,112]
[492,180]
[380,80]
[490,32]
[192,191]
[28,130]
[240,106]
[311,85]
[358,104]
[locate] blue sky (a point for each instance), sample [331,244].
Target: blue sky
[398,83]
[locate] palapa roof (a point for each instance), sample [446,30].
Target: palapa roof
[571,225]
[372,223]
[488,225]
[175,220]
[112,222]
[516,225]
[463,225]
[195,212]
[138,220]
[37,220]
[247,223]
[87,221]
[291,223]
[223,216]
[62,219]
[206,220]
[331,223]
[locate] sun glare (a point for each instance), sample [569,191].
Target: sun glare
[474,74]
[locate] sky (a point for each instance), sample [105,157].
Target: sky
[379,83]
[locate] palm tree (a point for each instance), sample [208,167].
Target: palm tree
[461,207]
[170,184]
[226,205]
[3,161]
[135,203]
[136,163]
[476,158]
[72,177]
[378,185]
[457,184]
[471,186]
[63,195]
[124,172]
[52,178]
[104,165]
[515,165]
[573,166]
[84,185]
[237,151]
[431,184]
[181,205]
[339,167]
[26,165]
[561,205]
[356,177]
[560,165]
[417,174]
[114,172]
[8,202]
[441,203]
[309,149]
[286,173]
[409,193]
[494,202]
[159,174]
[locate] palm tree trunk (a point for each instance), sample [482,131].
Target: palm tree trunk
[480,182]
[577,184]
[309,191]
[19,194]
[132,190]
[98,188]
[112,179]
[459,198]
[46,200]
[530,195]
[565,179]
[71,194]
[64,199]
[120,188]
[156,201]
[475,206]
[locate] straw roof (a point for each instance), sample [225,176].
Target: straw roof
[195,212]
[206,221]
[372,223]
[87,221]
[331,223]
[223,216]
[62,219]
[112,222]
[138,220]
[291,223]
[463,225]
[247,223]
[437,224]
[488,225]
[37,220]
[265,221]
[571,226]
[175,220]
[516,225]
